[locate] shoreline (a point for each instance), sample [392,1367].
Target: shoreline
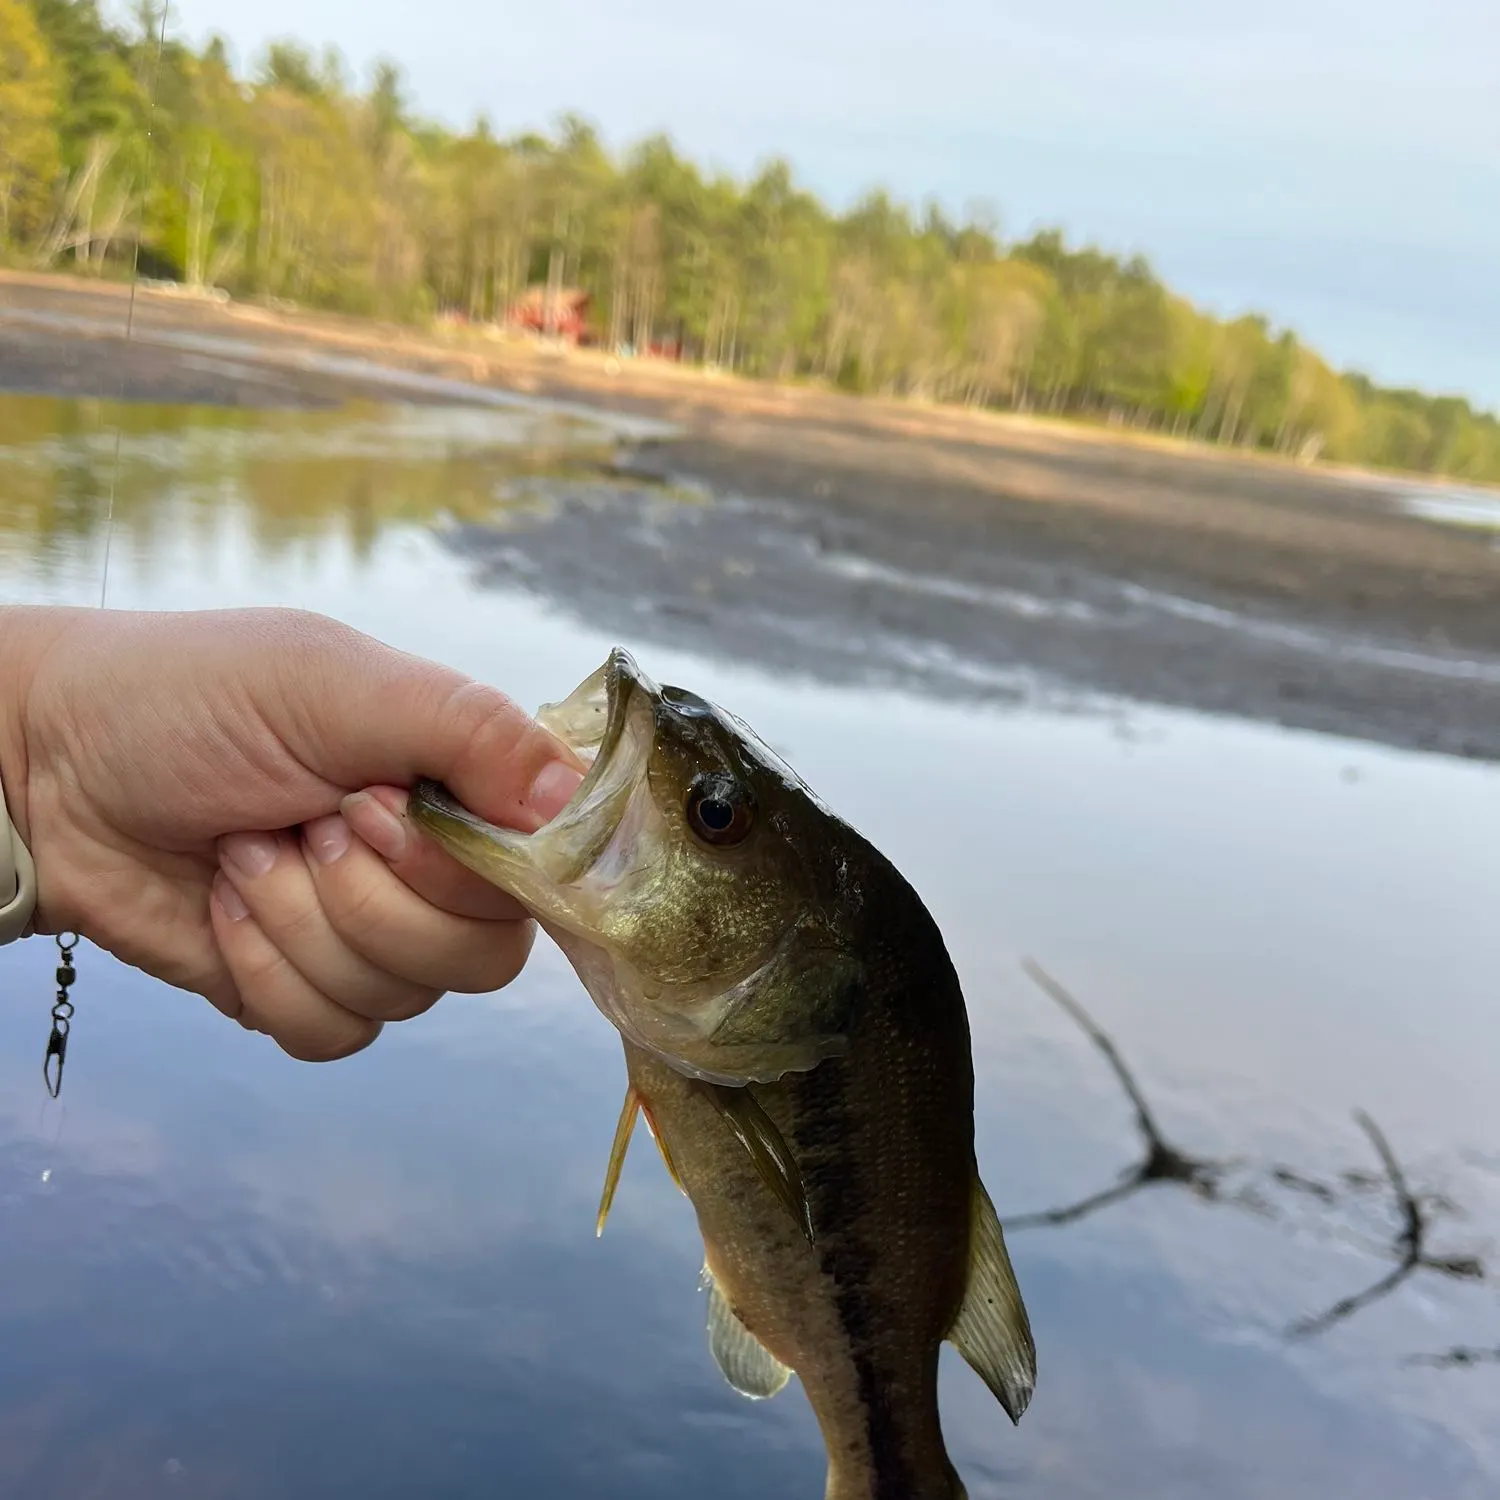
[1231,584]
[514,361]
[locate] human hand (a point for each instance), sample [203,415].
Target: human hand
[217,799]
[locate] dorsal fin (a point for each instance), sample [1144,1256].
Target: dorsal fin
[742,1359]
[992,1331]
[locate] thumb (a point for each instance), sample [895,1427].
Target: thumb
[359,713]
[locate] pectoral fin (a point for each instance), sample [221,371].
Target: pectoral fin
[742,1359]
[992,1331]
[757,1133]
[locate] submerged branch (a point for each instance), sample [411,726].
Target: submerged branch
[1102,1041]
[1160,1162]
[1204,1177]
[1346,1307]
[1409,1246]
[1074,1211]
[1459,1357]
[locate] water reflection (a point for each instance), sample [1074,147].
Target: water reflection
[1163,1163]
[222,1273]
[1160,1161]
[294,476]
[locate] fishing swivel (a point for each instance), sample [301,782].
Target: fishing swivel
[62,1014]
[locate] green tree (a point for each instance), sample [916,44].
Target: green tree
[294,182]
[29,160]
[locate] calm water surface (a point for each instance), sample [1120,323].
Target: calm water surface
[226,1274]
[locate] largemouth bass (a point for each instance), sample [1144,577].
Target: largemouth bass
[796,1036]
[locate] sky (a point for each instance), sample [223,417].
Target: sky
[1334,164]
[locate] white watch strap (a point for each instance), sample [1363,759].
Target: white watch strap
[17,880]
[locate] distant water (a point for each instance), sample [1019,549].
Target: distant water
[1454,505]
[224,1274]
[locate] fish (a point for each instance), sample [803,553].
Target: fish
[796,1038]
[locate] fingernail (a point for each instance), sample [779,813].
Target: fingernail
[252,854]
[231,903]
[555,784]
[327,839]
[376,824]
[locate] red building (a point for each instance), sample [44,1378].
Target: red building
[563,313]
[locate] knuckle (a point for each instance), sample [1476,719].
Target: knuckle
[358,898]
[306,629]
[296,922]
[502,739]
[490,716]
[256,966]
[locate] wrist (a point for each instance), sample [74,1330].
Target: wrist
[20,635]
[27,633]
[17,878]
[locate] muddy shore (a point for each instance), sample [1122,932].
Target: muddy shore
[872,541]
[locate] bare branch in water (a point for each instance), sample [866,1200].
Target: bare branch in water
[1161,1162]
[1409,1246]
[1289,1178]
[1414,1224]
[1101,1040]
[1458,1358]
[1346,1307]
[1080,1210]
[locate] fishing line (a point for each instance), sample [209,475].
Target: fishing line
[135,268]
[62,1007]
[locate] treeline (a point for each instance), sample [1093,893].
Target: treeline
[296,183]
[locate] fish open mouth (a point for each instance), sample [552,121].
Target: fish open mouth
[591,719]
[607,721]
[592,879]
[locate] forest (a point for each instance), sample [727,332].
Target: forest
[122,147]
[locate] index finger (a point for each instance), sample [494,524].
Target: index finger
[376,815]
[357,713]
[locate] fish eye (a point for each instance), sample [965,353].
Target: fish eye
[720,811]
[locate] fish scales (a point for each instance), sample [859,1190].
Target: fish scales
[885,1146]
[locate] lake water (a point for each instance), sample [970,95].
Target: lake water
[226,1274]
[1455,505]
